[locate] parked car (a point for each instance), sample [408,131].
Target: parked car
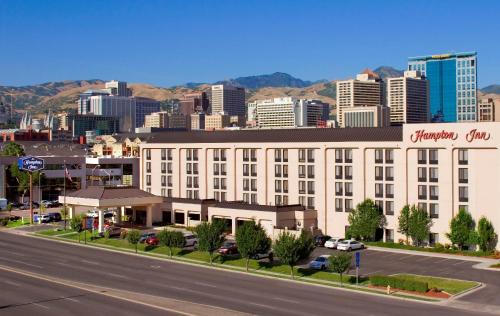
[263,255]
[320,240]
[45,218]
[229,247]
[332,242]
[319,263]
[55,203]
[348,245]
[152,240]
[55,217]
[145,236]
[16,204]
[26,206]
[46,203]
[191,240]
[113,231]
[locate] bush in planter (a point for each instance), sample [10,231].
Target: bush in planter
[399,283]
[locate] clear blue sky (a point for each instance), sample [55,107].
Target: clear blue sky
[172,42]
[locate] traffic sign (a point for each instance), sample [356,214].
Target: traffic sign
[358,259]
[30,163]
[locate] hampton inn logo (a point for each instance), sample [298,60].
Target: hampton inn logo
[423,135]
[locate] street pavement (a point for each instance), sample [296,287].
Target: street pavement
[195,284]
[379,262]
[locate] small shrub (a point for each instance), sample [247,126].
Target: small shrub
[399,283]
[439,246]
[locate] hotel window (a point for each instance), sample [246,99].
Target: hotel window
[277,186]
[253,170]
[148,166]
[422,174]
[310,187]
[188,168]
[302,155]
[433,156]
[169,181]
[379,173]
[285,171]
[222,169]
[422,156]
[217,195]
[189,182]
[163,192]
[216,183]
[148,179]
[339,188]
[310,202]
[433,239]
[223,196]
[223,156]
[463,194]
[253,198]
[163,167]
[189,154]
[216,169]
[310,171]
[163,180]
[422,206]
[338,205]
[216,155]
[389,235]
[195,168]
[277,170]
[148,154]
[389,173]
[422,192]
[246,156]
[380,205]
[195,154]
[379,190]
[433,192]
[302,187]
[277,155]
[277,199]
[379,156]
[389,208]
[302,171]
[253,184]
[246,197]
[348,188]
[434,210]
[389,191]
[285,155]
[433,175]
[169,154]
[463,207]
[196,194]
[338,155]
[338,172]
[463,175]
[348,205]
[253,154]
[310,155]
[169,167]
[348,172]
[246,185]
[163,154]
[463,157]
[245,169]
[389,156]
[348,155]
[285,186]
[302,200]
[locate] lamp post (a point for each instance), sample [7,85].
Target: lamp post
[92,173]
[109,175]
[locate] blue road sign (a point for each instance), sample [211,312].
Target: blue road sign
[358,259]
[30,163]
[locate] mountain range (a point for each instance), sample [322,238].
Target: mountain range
[63,95]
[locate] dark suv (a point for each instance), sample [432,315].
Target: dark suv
[320,240]
[55,217]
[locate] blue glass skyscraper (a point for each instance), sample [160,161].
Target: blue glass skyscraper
[452,85]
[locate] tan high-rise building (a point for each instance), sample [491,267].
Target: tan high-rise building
[408,98]
[166,120]
[226,99]
[217,121]
[365,90]
[487,110]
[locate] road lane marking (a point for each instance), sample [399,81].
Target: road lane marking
[72,299]
[40,305]
[90,262]
[460,262]
[285,300]
[12,283]
[205,284]
[22,262]
[14,253]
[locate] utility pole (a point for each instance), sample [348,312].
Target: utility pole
[31,197]
[64,202]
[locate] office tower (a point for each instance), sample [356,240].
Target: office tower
[79,124]
[487,111]
[252,113]
[367,116]
[166,120]
[217,121]
[408,98]
[118,88]
[84,100]
[227,99]
[194,103]
[452,85]
[366,90]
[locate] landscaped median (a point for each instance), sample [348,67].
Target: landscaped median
[276,269]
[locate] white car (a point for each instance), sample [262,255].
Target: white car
[191,240]
[332,242]
[348,245]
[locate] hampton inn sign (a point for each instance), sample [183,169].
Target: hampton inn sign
[423,135]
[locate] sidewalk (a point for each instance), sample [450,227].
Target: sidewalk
[487,261]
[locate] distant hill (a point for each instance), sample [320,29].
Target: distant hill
[494,88]
[388,72]
[277,79]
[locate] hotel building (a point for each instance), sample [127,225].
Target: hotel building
[487,111]
[321,174]
[452,84]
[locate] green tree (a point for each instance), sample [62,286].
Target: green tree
[171,239]
[76,224]
[13,149]
[340,264]
[287,247]
[462,229]
[133,237]
[364,220]
[22,179]
[419,225]
[306,242]
[404,222]
[252,240]
[486,236]
[210,236]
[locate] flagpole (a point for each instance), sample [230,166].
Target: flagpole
[64,202]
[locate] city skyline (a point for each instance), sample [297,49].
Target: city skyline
[176,42]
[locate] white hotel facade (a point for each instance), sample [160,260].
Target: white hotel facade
[439,167]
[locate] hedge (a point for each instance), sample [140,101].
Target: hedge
[399,283]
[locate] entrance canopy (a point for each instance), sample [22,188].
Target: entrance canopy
[104,197]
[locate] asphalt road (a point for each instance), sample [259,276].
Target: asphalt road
[378,262]
[195,284]
[24,295]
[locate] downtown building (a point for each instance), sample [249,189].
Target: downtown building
[227,99]
[452,85]
[313,178]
